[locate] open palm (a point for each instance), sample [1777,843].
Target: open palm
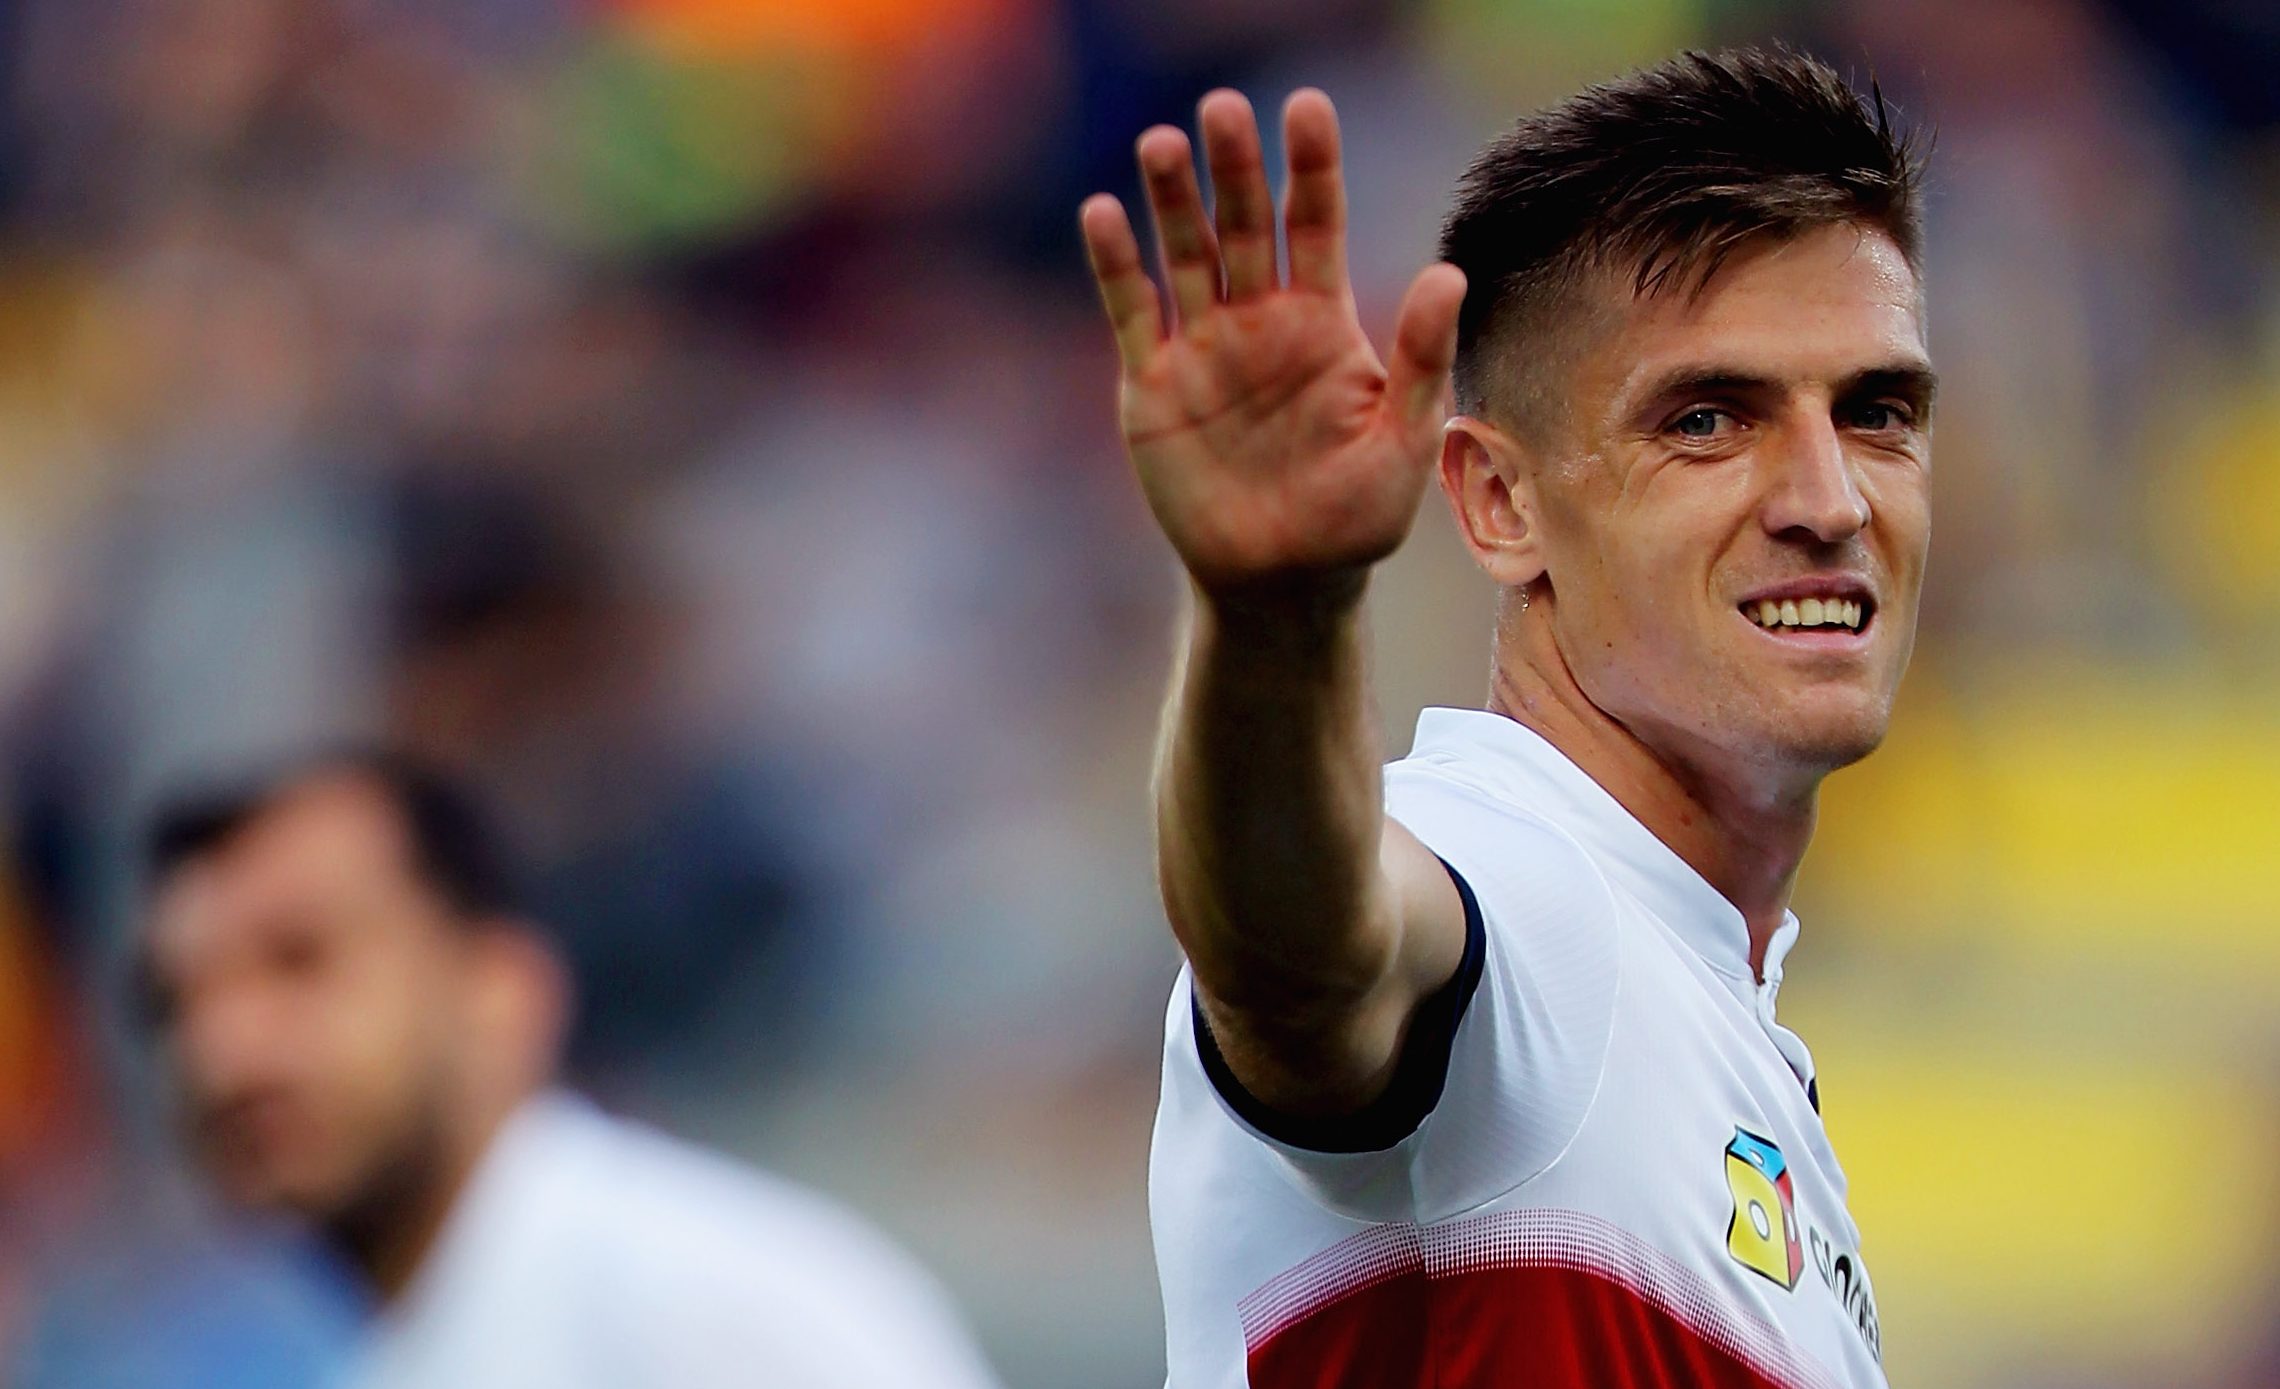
[1268,435]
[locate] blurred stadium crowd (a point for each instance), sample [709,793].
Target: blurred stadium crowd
[688,419]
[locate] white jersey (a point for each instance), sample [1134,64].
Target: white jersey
[590,1251]
[1601,1162]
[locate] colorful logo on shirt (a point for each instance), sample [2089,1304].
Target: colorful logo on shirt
[1763,1236]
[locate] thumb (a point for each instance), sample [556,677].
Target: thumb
[1424,344]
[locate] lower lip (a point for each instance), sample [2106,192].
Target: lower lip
[1831,639]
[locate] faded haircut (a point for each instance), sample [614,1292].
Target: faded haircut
[1655,179]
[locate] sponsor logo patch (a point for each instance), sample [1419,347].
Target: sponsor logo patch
[1763,1236]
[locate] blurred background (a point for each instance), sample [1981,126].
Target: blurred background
[689,418]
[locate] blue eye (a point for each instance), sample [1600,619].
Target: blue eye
[1697,424]
[1878,417]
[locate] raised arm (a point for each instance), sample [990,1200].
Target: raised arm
[1283,459]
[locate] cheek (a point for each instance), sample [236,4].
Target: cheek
[1901,503]
[1648,587]
[385,1026]
[1636,628]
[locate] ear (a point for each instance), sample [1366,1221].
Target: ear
[1491,491]
[521,1003]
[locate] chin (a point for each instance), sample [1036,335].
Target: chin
[1833,738]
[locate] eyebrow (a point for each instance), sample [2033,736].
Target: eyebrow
[1913,381]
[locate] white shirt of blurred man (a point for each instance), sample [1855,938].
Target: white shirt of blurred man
[364,1035]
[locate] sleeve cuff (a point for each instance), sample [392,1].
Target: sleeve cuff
[1418,1076]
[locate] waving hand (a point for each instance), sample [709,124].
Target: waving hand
[1270,438]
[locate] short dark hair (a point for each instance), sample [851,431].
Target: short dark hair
[455,845]
[1660,176]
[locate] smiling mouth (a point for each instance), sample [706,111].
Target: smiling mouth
[1842,614]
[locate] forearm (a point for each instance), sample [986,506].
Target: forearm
[1269,804]
[1272,441]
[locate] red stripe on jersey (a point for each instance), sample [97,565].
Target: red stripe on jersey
[1525,1300]
[1514,1328]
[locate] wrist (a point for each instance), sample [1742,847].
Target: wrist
[1303,598]
[1290,612]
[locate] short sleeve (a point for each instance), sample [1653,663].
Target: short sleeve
[1507,1081]
[1420,1073]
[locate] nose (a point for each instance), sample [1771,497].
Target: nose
[1814,491]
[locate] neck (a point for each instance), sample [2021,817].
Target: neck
[1746,835]
[389,1233]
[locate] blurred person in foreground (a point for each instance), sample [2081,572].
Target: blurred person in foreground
[1473,1078]
[364,1034]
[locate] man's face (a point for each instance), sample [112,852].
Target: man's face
[1765,442]
[305,986]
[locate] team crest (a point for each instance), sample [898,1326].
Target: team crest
[1763,1236]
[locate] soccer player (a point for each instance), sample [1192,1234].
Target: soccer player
[1473,1077]
[364,1034]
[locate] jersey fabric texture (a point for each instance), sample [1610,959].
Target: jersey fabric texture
[1601,1162]
[589,1251]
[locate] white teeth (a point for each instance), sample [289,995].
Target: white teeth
[1807,612]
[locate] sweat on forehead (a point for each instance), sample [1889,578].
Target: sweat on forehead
[1645,186]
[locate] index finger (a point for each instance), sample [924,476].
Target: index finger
[1314,204]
